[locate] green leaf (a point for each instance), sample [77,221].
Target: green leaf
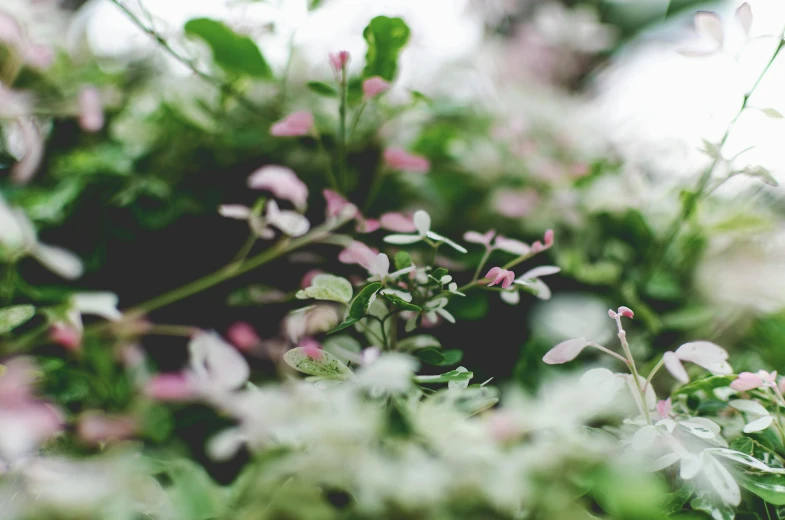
[400,302]
[706,384]
[419,341]
[360,305]
[439,273]
[234,53]
[717,511]
[12,317]
[348,322]
[770,488]
[452,375]
[430,356]
[451,357]
[316,363]
[328,287]
[772,112]
[256,294]
[402,260]
[385,37]
[345,348]
[760,173]
[321,88]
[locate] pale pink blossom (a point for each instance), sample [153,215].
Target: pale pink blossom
[282,182]
[621,311]
[311,348]
[674,366]
[96,427]
[294,125]
[91,110]
[516,203]
[565,351]
[309,321]
[705,354]
[400,159]
[397,222]
[473,237]
[499,275]
[367,225]
[357,253]
[664,408]
[748,380]
[510,245]
[374,86]
[170,387]
[338,206]
[308,278]
[243,336]
[339,60]
[66,335]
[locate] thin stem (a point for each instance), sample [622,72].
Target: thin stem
[330,174]
[247,246]
[356,120]
[188,62]
[609,351]
[376,185]
[653,371]
[482,263]
[342,132]
[633,369]
[172,330]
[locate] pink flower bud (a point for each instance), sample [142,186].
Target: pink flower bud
[91,110]
[95,427]
[626,312]
[537,247]
[474,237]
[294,125]
[400,159]
[282,182]
[549,238]
[170,387]
[374,86]
[339,60]
[499,275]
[66,335]
[664,408]
[339,207]
[311,348]
[243,336]
[367,225]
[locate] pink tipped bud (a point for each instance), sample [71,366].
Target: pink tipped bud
[170,387]
[664,408]
[91,110]
[747,381]
[339,60]
[549,238]
[311,348]
[626,312]
[293,125]
[537,247]
[66,336]
[612,314]
[243,336]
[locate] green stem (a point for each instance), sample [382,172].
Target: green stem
[609,351]
[653,371]
[356,120]
[633,369]
[481,264]
[330,174]
[247,246]
[342,133]
[376,186]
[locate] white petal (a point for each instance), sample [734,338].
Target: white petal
[690,466]
[290,222]
[402,239]
[58,260]
[513,297]
[674,366]
[102,304]
[565,351]
[446,315]
[441,238]
[644,438]
[658,464]
[218,362]
[744,17]
[747,406]
[422,222]
[709,26]
[225,444]
[543,270]
[759,424]
[705,354]
[721,480]
[235,211]
[700,427]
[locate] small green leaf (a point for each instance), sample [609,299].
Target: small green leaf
[234,53]
[316,363]
[451,357]
[402,260]
[348,322]
[706,384]
[430,356]
[440,273]
[12,317]
[452,375]
[419,341]
[386,37]
[770,488]
[760,173]
[360,305]
[772,112]
[328,287]
[715,510]
[401,303]
[711,149]
[321,88]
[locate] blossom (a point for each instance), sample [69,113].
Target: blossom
[68,331]
[510,245]
[621,311]
[91,111]
[170,387]
[18,237]
[749,381]
[474,237]
[374,86]
[437,307]
[516,203]
[338,206]
[664,408]
[400,159]
[422,224]
[397,222]
[282,182]
[762,417]
[339,60]
[499,275]
[367,225]
[243,335]
[702,353]
[289,222]
[96,427]
[538,247]
[357,253]
[294,125]
[709,27]
[531,281]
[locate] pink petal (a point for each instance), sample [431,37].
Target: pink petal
[91,110]
[282,182]
[746,381]
[398,223]
[339,60]
[337,206]
[65,335]
[311,348]
[374,86]
[507,279]
[509,245]
[308,278]
[565,351]
[626,312]
[479,238]
[96,428]
[243,336]
[358,253]
[493,274]
[707,355]
[664,408]
[549,238]
[516,203]
[675,367]
[400,159]
[368,225]
[170,387]
[293,125]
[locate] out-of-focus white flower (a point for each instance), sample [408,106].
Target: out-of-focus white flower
[391,373]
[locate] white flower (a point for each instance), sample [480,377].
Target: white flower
[762,417]
[289,222]
[437,306]
[422,221]
[390,373]
[18,238]
[531,280]
[216,365]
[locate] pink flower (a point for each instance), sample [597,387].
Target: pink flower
[243,336]
[664,408]
[95,427]
[748,380]
[473,237]
[293,125]
[339,207]
[358,253]
[339,60]
[400,159]
[282,182]
[565,351]
[66,335]
[622,311]
[499,275]
[311,348]
[374,86]
[705,354]
[548,238]
[91,111]
[516,203]
[510,245]
[308,278]
[367,225]
[170,387]
[397,222]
